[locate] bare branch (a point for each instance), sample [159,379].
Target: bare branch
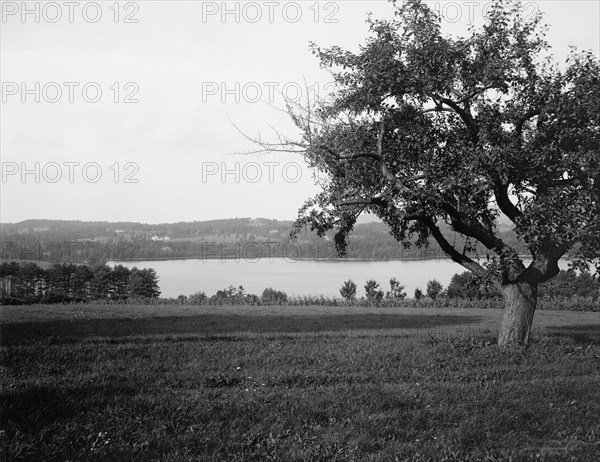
[474,229]
[504,202]
[454,254]
[282,145]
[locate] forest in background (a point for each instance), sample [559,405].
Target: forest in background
[58,241]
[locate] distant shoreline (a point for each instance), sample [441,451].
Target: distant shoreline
[238,259]
[333,260]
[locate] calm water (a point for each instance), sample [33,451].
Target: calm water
[306,277]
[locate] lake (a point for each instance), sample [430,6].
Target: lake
[299,277]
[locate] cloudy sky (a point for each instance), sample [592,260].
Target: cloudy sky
[129,112]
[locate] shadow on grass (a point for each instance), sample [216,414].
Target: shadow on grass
[27,332]
[38,406]
[579,334]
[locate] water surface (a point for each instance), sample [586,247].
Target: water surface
[300,277]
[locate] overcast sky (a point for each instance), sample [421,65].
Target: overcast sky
[137,103]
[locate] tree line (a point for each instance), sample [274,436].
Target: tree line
[69,283]
[89,243]
[65,282]
[564,284]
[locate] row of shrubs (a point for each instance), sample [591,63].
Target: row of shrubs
[575,303]
[434,296]
[568,291]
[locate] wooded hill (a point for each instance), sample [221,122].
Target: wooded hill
[79,241]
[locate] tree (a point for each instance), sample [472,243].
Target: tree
[143,283]
[469,285]
[271,296]
[434,289]
[82,280]
[372,291]
[100,284]
[426,131]
[119,281]
[418,293]
[30,283]
[199,298]
[60,283]
[568,283]
[237,296]
[463,285]
[348,290]
[396,290]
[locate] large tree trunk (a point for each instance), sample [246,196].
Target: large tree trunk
[520,300]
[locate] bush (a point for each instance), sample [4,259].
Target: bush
[469,285]
[199,298]
[464,285]
[233,296]
[434,289]
[273,297]
[396,290]
[348,290]
[418,293]
[374,294]
[568,284]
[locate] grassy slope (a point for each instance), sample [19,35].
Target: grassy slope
[321,384]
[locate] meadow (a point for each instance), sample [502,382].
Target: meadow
[235,383]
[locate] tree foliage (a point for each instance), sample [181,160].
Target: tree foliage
[418,293]
[427,129]
[434,289]
[348,290]
[396,291]
[143,283]
[66,282]
[272,296]
[470,286]
[569,283]
[372,291]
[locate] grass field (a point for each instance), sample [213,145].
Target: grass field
[179,383]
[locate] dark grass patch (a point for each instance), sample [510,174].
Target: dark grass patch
[79,393]
[301,398]
[74,330]
[579,334]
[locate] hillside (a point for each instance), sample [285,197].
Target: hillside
[227,238]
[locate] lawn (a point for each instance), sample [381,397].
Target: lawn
[178,383]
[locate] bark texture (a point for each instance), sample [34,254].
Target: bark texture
[520,300]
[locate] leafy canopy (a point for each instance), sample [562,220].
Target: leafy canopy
[426,129]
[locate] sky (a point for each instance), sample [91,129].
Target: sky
[136,111]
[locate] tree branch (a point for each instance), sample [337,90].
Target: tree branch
[504,202]
[475,230]
[464,114]
[454,254]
